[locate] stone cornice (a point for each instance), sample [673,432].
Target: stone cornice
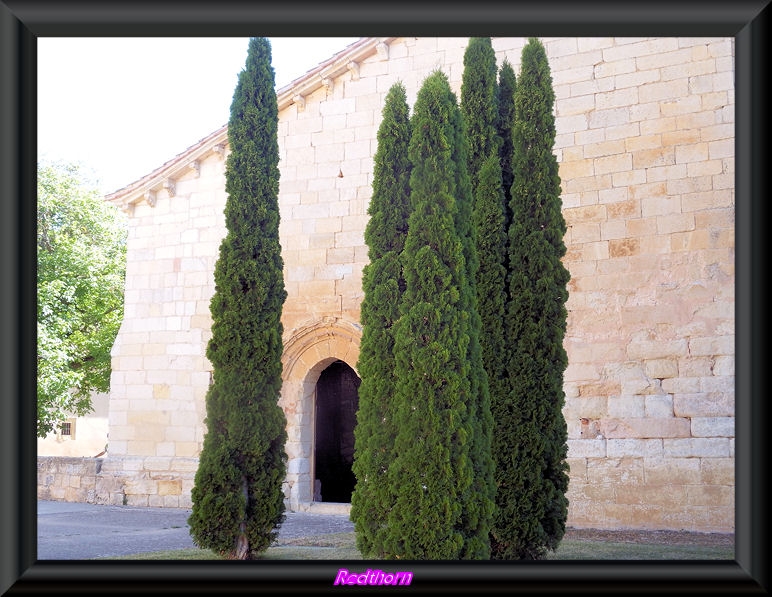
[163,178]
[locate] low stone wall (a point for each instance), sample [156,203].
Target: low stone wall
[68,479]
[154,482]
[644,484]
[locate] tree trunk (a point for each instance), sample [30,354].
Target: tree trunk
[242,543]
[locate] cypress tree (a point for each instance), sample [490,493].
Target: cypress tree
[495,218]
[505,122]
[479,100]
[491,294]
[383,286]
[238,503]
[432,472]
[476,137]
[532,490]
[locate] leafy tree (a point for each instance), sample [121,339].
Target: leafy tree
[238,501]
[81,265]
[533,480]
[432,475]
[383,285]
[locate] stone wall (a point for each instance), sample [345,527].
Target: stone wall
[152,482]
[645,143]
[68,479]
[646,150]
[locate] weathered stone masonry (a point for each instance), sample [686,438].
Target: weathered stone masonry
[645,142]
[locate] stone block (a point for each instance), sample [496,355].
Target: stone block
[624,210]
[696,447]
[155,501]
[658,406]
[661,368]
[660,471]
[713,426]
[155,463]
[717,471]
[637,78]
[587,448]
[617,472]
[613,164]
[629,178]
[633,448]
[704,404]
[626,406]
[189,449]
[136,500]
[705,168]
[645,427]
[637,49]
[643,350]
[709,496]
[680,106]
[657,156]
[169,487]
[171,501]
[671,496]
[624,247]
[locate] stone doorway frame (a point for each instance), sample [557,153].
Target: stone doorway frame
[309,350]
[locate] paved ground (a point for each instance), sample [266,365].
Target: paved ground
[76,531]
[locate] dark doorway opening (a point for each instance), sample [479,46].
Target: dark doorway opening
[337,401]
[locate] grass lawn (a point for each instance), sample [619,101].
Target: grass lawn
[342,546]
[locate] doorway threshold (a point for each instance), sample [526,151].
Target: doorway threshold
[324,508]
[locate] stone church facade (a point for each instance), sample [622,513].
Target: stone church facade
[645,143]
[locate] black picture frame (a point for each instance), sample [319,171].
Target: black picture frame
[23,21]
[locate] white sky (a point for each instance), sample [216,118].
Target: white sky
[121,107]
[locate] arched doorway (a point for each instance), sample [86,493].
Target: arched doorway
[337,401]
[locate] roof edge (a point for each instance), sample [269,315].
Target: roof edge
[164,176]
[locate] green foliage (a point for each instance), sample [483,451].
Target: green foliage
[491,295]
[475,141]
[532,479]
[383,285]
[238,501]
[479,103]
[432,475]
[504,125]
[81,264]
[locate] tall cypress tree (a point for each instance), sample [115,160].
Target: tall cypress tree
[479,100]
[488,220]
[504,124]
[476,137]
[493,221]
[238,502]
[383,286]
[532,490]
[479,106]
[432,472]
